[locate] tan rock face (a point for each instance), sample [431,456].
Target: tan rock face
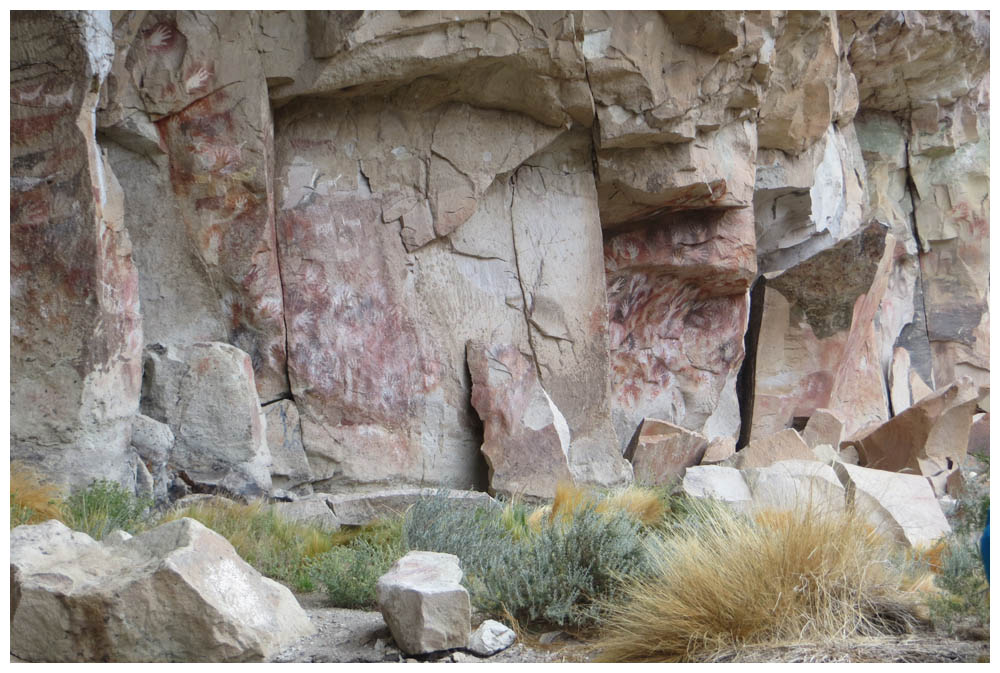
[929,437]
[76,334]
[677,311]
[946,55]
[784,445]
[199,82]
[809,85]
[902,506]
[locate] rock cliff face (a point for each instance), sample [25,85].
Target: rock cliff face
[435,235]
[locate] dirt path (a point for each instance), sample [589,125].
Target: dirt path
[362,636]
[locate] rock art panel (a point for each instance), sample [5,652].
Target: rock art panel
[204,216]
[76,333]
[379,311]
[677,312]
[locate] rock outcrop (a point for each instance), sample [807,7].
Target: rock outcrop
[739,222]
[176,593]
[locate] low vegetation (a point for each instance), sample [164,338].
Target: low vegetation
[655,578]
[554,565]
[277,547]
[721,580]
[963,597]
[31,500]
[349,570]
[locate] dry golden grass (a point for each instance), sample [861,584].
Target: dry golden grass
[722,581]
[36,500]
[642,504]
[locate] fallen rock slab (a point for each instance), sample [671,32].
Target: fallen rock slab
[718,482]
[795,484]
[784,445]
[309,509]
[924,437]
[358,509]
[661,451]
[424,604]
[491,637]
[902,506]
[178,592]
[525,437]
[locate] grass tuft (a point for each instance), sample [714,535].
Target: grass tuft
[31,499]
[722,581]
[103,507]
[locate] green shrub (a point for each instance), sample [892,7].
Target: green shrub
[964,591]
[349,571]
[103,507]
[558,575]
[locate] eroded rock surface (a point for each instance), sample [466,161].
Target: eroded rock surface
[351,197]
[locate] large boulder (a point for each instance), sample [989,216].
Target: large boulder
[206,394]
[424,604]
[795,485]
[784,445]
[901,506]
[176,593]
[358,509]
[75,326]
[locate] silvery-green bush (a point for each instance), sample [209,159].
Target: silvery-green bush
[559,574]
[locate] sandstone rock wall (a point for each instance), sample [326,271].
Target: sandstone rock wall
[358,200]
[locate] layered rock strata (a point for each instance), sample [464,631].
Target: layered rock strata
[351,198]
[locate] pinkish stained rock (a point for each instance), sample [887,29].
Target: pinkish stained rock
[200,205]
[818,344]
[525,437]
[75,327]
[662,451]
[930,436]
[677,311]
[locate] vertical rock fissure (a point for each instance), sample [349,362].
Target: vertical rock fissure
[911,192]
[525,311]
[746,379]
